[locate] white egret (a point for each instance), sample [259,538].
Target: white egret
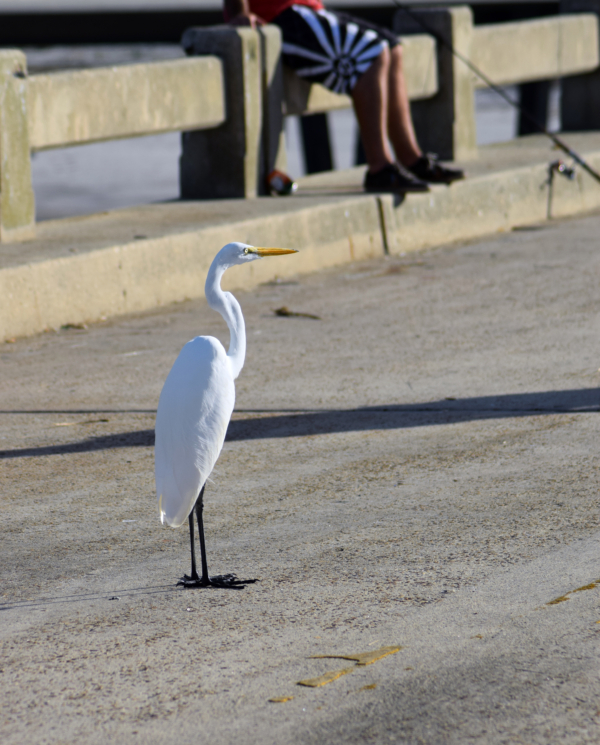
[194,410]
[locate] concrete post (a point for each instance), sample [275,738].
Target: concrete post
[273,153]
[580,100]
[17,207]
[224,162]
[445,123]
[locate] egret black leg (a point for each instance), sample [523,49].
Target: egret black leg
[193,580]
[199,509]
[194,573]
[229,581]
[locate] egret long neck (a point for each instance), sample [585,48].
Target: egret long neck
[225,304]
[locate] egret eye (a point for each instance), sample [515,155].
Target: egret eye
[246,252]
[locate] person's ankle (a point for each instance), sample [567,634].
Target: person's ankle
[379,166]
[412,161]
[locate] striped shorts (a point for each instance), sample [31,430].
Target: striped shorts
[330,48]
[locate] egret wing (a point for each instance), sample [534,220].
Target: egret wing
[194,410]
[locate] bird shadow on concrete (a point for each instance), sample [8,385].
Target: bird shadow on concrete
[329,421]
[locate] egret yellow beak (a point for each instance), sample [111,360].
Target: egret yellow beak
[274,251]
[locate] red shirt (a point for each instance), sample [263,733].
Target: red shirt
[268,9]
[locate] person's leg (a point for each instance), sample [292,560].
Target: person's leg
[399,123]
[350,56]
[370,99]
[402,134]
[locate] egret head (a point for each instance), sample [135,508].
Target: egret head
[241,253]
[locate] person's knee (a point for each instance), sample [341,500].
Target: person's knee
[375,76]
[397,56]
[384,59]
[379,68]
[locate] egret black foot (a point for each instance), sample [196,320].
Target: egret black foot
[224,581]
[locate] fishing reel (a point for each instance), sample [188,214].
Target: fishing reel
[560,167]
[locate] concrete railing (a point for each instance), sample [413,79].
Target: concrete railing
[70,108]
[230,96]
[507,53]
[233,159]
[536,50]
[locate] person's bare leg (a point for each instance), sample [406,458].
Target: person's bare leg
[370,98]
[400,127]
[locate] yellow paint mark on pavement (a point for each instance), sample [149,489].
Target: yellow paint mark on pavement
[364,658]
[324,679]
[562,598]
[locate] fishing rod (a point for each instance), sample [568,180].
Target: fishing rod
[558,141]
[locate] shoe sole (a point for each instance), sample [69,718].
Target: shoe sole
[404,190]
[446,181]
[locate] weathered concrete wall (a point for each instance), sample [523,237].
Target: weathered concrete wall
[68,108]
[17,210]
[141,274]
[536,50]
[420,66]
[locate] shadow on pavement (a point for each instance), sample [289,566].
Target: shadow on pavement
[395,416]
[82,596]
[89,412]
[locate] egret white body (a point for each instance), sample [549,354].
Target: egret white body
[194,410]
[195,407]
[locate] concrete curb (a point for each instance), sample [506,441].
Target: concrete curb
[487,204]
[138,274]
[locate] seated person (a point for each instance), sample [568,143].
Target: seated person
[349,55]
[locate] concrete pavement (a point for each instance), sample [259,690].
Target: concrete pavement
[417,468]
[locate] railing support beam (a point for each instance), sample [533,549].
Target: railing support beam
[580,100]
[224,163]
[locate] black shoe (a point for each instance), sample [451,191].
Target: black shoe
[427,168]
[393,179]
